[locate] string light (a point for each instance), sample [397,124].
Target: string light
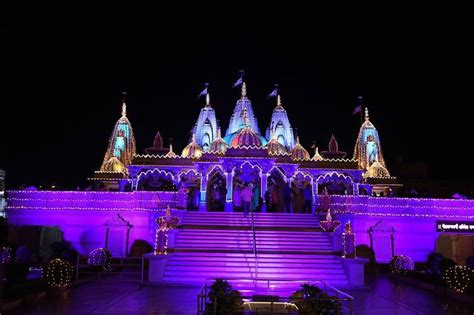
[401,264]
[100,257]
[59,273]
[458,277]
[348,241]
[5,255]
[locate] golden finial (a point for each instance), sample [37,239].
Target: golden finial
[298,139]
[278,100]
[219,132]
[244,90]
[208,100]
[366,114]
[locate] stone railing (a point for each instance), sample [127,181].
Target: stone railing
[89,200]
[415,207]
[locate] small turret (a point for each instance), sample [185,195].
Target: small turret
[280,126]
[206,125]
[121,144]
[367,149]
[218,146]
[298,152]
[192,150]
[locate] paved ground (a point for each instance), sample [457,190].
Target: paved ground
[384,296]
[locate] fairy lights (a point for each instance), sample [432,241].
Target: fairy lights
[100,257]
[348,241]
[59,273]
[458,277]
[401,264]
[5,255]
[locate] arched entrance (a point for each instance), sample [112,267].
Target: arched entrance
[156,180]
[249,175]
[302,193]
[189,190]
[216,190]
[277,196]
[335,184]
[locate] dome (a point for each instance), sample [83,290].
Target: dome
[218,145]
[298,152]
[247,138]
[114,165]
[377,170]
[274,147]
[192,150]
[317,156]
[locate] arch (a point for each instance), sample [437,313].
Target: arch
[156,179]
[335,183]
[206,141]
[216,189]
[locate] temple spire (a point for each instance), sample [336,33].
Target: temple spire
[278,100]
[366,114]
[208,100]
[244,90]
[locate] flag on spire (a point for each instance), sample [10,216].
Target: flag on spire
[204,92]
[358,109]
[274,93]
[240,80]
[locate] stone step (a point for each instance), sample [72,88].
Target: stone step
[273,264]
[259,248]
[260,270]
[190,274]
[251,255]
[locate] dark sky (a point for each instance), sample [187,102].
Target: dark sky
[65,68]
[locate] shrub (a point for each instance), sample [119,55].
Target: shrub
[223,298]
[445,264]
[458,278]
[433,263]
[312,300]
[59,273]
[100,257]
[401,264]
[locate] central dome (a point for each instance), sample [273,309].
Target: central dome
[246,138]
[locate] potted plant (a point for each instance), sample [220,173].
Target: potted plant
[311,300]
[223,299]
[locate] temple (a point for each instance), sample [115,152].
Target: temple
[243,155]
[309,210]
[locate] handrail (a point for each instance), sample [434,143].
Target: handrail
[254,243]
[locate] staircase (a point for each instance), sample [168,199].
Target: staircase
[290,247]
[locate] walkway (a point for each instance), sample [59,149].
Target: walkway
[383,297]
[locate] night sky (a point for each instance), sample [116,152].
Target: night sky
[65,68]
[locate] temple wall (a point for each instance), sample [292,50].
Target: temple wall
[82,216]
